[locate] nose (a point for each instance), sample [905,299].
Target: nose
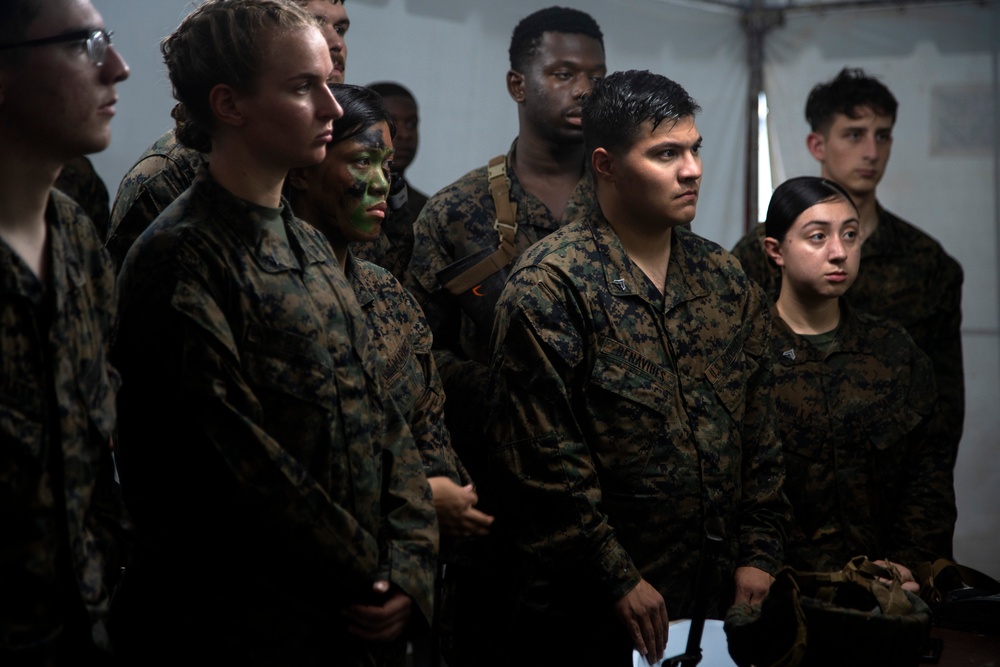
[582,84]
[380,182]
[330,108]
[114,68]
[870,147]
[690,168]
[837,250]
[335,41]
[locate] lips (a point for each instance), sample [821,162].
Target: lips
[109,106]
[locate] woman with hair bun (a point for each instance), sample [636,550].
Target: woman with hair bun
[282,511]
[868,471]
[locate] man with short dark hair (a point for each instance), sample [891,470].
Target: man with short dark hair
[167,168]
[633,419]
[485,219]
[61,546]
[905,275]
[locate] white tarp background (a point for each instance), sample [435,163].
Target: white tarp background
[453,55]
[940,63]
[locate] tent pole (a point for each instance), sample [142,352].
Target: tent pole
[757,21]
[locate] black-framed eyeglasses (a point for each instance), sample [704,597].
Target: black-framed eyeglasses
[97,42]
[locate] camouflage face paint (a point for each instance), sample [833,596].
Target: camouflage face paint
[371,180]
[355,183]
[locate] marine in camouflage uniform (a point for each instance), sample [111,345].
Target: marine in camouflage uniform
[268,470]
[905,276]
[394,246]
[158,177]
[402,338]
[62,527]
[624,420]
[869,468]
[455,223]
[80,182]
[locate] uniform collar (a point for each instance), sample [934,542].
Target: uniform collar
[624,278]
[253,225]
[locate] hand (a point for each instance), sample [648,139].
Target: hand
[454,506]
[905,575]
[752,584]
[380,622]
[644,614]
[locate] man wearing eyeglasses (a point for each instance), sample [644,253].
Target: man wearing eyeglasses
[59,546]
[166,169]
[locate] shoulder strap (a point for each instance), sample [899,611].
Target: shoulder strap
[505,224]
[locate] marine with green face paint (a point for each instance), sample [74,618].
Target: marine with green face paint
[345,197]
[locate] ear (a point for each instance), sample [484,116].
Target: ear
[772,247]
[224,101]
[603,164]
[515,86]
[816,143]
[298,178]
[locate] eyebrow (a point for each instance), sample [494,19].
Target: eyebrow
[675,144]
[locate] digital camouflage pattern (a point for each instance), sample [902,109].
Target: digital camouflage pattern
[256,425]
[80,182]
[906,276]
[457,222]
[158,177]
[402,339]
[394,246]
[869,467]
[623,419]
[61,546]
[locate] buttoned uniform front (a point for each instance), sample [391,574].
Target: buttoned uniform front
[62,533]
[267,468]
[906,276]
[158,177]
[869,466]
[622,420]
[402,338]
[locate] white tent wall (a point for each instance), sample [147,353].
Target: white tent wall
[453,55]
[940,62]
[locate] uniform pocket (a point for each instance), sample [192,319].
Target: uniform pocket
[290,365]
[630,399]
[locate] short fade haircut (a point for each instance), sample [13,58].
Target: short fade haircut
[392,89]
[528,33]
[618,105]
[796,195]
[221,42]
[848,93]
